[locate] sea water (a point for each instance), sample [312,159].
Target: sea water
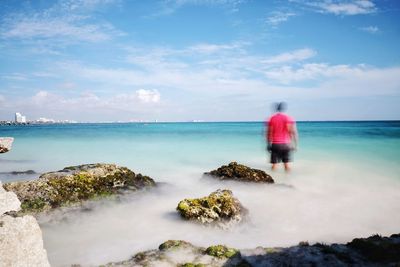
[345,183]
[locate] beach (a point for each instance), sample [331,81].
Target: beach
[344,184]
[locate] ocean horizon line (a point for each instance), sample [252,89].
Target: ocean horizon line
[191,122]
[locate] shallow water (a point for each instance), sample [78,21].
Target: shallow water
[345,183]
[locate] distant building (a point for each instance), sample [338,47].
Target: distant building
[19,118]
[45,120]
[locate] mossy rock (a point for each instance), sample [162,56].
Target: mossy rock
[239,172]
[221,251]
[172,244]
[219,206]
[75,184]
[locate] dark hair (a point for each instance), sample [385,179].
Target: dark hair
[281,106]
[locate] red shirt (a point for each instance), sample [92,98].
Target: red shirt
[278,127]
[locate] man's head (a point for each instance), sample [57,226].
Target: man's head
[280,107]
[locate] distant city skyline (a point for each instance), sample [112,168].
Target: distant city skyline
[205,60]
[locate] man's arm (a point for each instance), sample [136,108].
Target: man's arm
[268,135]
[293,134]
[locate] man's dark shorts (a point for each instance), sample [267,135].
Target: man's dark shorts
[280,152]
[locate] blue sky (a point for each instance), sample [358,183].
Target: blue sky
[212,60]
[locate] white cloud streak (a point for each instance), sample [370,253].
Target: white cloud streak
[278,17]
[343,7]
[370,29]
[67,21]
[135,101]
[169,7]
[292,56]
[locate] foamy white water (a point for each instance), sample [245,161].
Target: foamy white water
[318,202]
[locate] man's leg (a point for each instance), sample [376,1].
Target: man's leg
[274,157]
[286,157]
[273,167]
[287,166]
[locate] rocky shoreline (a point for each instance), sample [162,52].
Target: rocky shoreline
[372,251]
[76,184]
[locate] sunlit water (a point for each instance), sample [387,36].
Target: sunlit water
[345,183]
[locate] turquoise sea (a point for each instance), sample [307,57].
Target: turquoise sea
[345,183]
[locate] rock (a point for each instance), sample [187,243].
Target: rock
[220,208]
[5,144]
[171,244]
[8,201]
[23,172]
[221,251]
[75,184]
[373,251]
[174,253]
[378,249]
[238,172]
[21,242]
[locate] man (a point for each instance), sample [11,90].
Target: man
[281,137]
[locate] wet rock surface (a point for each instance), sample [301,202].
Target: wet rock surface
[371,251]
[75,184]
[219,208]
[5,144]
[239,172]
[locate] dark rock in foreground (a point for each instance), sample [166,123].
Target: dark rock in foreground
[238,172]
[219,208]
[371,251]
[75,184]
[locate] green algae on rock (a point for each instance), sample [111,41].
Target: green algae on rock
[221,251]
[239,172]
[75,184]
[219,207]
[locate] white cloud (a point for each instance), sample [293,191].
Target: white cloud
[370,29]
[15,76]
[207,48]
[169,7]
[44,103]
[278,17]
[205,83]
[67,21]
[42,97]
[339,80]
[148,96]
[343,7]
[70,27]
[297,55]
[79,5]
[310,72]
